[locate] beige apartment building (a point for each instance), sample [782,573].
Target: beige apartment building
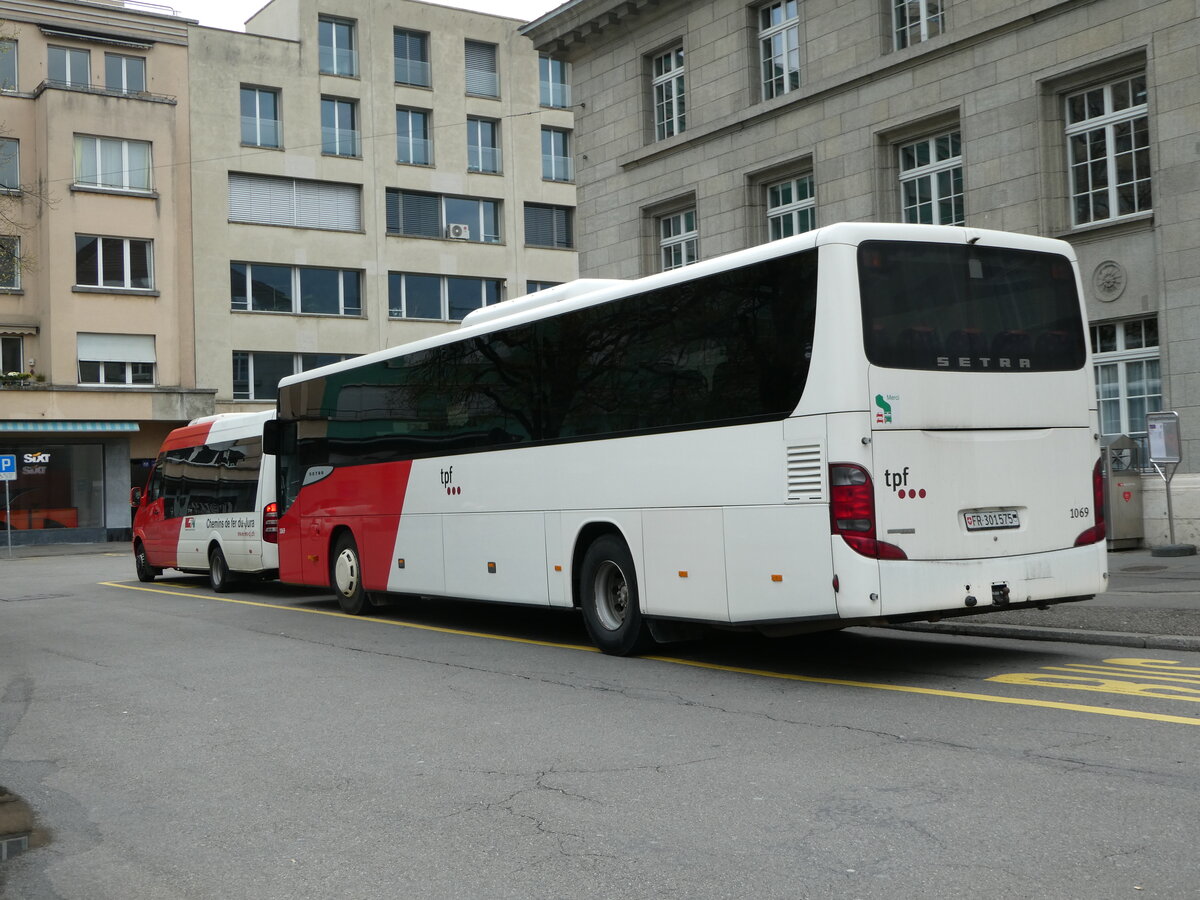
[365,173]
[96,319]
[187,214]
[711,125]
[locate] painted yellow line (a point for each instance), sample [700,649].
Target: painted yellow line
[717,667]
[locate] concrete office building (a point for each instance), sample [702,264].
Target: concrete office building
[96,323]
[707,126]
[365,174]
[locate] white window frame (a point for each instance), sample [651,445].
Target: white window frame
[125,61]
[418,70]
[1111,131]
[482,69]
[1113,369]
[73,58]
[791,206]
[483,157]
[916,21]
[10,254]
[294,202]
[91,148]
[678,239]
[411,150]
[557,163]
[335,59]
[301,362]
[932,176]
[10,158]
[296,296]
[12,349]
[779,47]
[262,123]
[338,139]
[129,354]
[554,82]
[477,219]
[669,88]
[126,263]
[559,223]
[401,311]
[9,66]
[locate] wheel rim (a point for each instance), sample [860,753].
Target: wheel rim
[345,573]
[217,566]
[140,559]
[612,595]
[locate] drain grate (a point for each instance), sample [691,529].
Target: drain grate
[1144,569]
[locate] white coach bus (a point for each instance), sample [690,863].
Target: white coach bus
[866,423]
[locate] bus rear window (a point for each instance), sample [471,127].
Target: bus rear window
[966,308]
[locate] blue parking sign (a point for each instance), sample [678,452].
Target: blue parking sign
[8,466]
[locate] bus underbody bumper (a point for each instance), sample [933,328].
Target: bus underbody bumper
[914,590]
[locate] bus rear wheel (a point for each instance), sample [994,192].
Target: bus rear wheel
[145,571]
[609,599]
[219,576]
[345,576]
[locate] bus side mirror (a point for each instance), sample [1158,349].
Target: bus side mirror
[279,438]
[135,497]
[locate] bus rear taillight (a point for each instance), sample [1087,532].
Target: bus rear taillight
[1097,532]
[852,512]
[271,523]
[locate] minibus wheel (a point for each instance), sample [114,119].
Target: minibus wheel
[145,571]
[219,575]
[609,598]
[345,576]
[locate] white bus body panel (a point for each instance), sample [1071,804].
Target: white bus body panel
[239,534]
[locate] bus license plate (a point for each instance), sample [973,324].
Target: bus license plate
[985,521]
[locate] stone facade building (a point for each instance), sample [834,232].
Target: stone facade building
[707,126]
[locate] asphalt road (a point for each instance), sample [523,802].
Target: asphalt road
[177,744]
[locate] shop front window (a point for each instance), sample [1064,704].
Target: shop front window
[57,486]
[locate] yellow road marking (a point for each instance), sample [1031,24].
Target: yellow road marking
[717,667]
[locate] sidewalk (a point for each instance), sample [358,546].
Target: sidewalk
[1153,602]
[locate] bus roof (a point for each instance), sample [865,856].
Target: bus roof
[591,291]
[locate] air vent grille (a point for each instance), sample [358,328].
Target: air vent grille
[805,473]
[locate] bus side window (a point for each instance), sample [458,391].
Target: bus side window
[919,345]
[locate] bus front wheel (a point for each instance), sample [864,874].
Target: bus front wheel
[609,599]
[145,571]
[346,576]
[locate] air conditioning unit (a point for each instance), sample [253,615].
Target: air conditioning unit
[458,232]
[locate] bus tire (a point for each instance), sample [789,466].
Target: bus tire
[219,576]
[145,571]
[345,576]
[609,598]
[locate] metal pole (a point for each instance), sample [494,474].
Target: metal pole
[8,519]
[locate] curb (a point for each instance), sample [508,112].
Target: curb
[1177,642]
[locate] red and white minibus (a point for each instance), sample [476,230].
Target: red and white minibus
[866,423]
[209,503]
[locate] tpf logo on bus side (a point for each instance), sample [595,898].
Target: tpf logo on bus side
[448,482]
